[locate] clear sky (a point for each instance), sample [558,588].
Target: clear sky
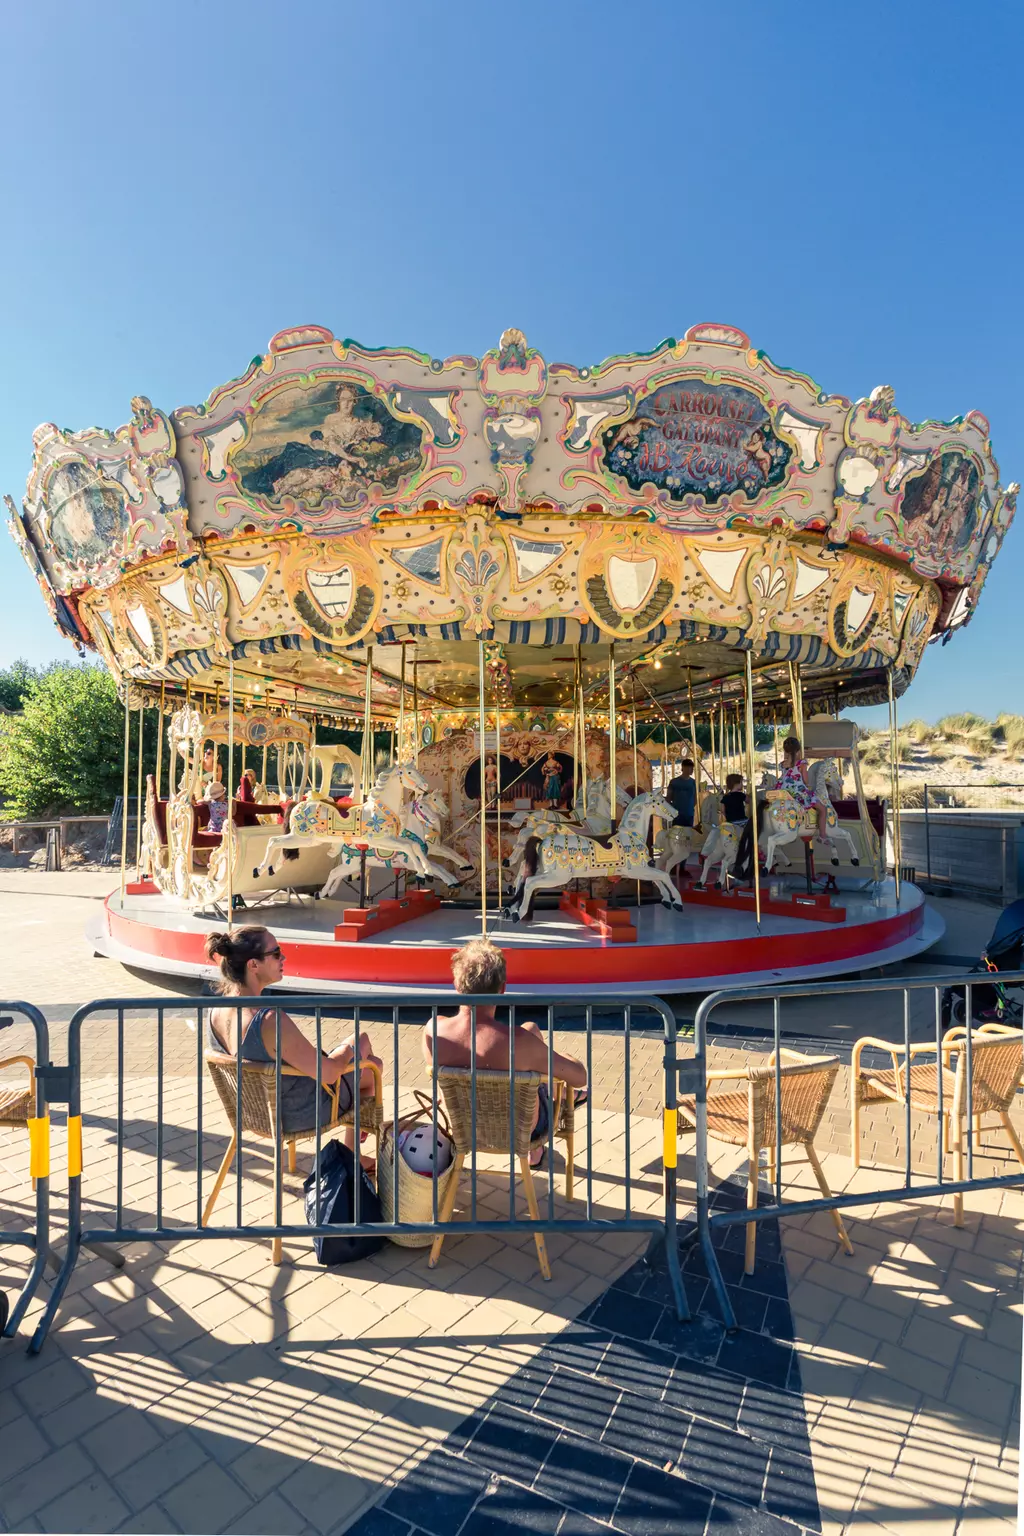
[841,182]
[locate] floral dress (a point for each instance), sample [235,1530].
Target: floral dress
[791,780]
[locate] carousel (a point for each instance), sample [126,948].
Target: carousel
[442,647]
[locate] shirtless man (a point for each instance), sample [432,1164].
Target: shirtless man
[479,967]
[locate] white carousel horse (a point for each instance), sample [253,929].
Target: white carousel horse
[675,845]
[556,858]
[536,824]
[721,848]
[790,822]
[418,848]
[598,819]
[380,822]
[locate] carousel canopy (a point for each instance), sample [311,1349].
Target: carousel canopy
[689,504]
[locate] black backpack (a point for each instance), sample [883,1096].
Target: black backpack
[337,1206]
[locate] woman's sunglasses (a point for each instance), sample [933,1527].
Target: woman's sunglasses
[273,954]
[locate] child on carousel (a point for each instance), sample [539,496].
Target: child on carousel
[795,782]
[734,801]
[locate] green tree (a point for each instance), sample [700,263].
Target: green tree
[62,754]
[15,682]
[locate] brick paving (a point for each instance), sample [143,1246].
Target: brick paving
[200,1389]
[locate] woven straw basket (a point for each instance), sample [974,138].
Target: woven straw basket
[415,1192]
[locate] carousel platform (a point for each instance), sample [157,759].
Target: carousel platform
[695,950]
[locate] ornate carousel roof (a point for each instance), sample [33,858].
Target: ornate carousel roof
[690,504]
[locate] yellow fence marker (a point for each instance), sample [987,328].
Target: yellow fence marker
[74,1146]
[39,1147]
[671,1152]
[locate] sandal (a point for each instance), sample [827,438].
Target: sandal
[580,1098]
[537,1154]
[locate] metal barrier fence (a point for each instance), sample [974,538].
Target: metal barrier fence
[628,1016]
[937,1035]
[37,1124]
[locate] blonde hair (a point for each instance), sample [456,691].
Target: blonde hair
[478,966]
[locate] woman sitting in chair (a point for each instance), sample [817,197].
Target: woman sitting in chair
[251,960]
[479,967]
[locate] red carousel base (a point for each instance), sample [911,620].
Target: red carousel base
[704,946]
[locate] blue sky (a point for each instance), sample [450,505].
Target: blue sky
[841,182]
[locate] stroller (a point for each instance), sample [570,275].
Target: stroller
[990,1000]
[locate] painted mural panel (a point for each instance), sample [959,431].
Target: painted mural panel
[86,513]
[694,437]
[325,442]
[940,506]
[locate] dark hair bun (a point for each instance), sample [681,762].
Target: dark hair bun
[217,944]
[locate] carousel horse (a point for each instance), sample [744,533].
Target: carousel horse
[534,824]
[598,818]
[419,842]
[721,848]
[791,823]
[556,858]
[675,845]
[380,822]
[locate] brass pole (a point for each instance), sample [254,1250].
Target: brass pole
[124,789]
[497,737]
[583,743]
[715,770]
[229,825]
[775,739]
[636,773]
[693,737]
[400,753]
[415,709]
[752,792]
[794,691]
[576,740]
[894,777]
[160,737]
[138,799]
[366,765]
[612,735]
[483,798]
[264,780]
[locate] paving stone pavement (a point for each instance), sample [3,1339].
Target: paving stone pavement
[202,1390]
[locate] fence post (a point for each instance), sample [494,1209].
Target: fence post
[927,837]
[73,1085]
[700,1062]
[39,1163]
[670,1159]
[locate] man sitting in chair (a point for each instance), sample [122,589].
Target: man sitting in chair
[479,967]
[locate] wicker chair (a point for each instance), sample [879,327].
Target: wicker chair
[746,1118]
[997,1061]
[259,1117]
[495,1133]
[17,1105]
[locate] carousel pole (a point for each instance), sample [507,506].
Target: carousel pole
[263,781]
[894,780]
[715,771]
[775,739]
[229,825]
[138,798]
[753,791]
[583,740]
[693,733]
[636,772]
[124,789]
[160,736]
[483,798]
[497,738]
[795,694]
[612,735]
[400,746]
[576,726]
[415,709]
[366,763]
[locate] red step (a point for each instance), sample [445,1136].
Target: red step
[360,923]
[613,924]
